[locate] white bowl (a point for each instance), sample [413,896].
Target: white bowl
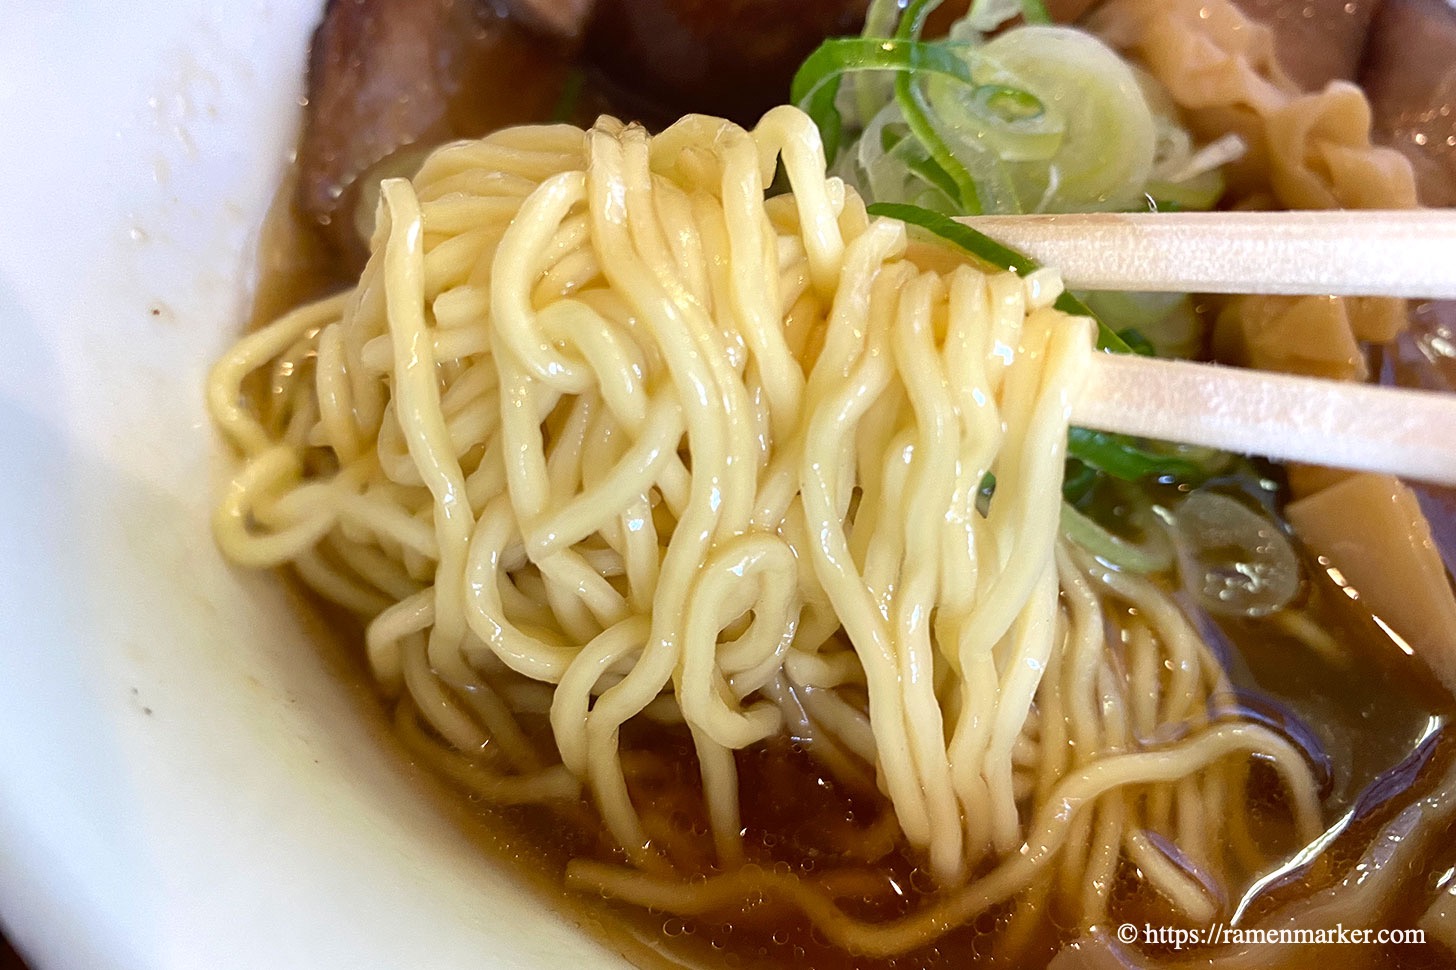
[182,782]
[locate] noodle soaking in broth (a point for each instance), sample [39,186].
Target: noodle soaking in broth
[725,544]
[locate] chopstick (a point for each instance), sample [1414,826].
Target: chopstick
[1405,253]
[1410,434]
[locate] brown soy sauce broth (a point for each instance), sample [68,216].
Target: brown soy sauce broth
[1364,716]
[799,820]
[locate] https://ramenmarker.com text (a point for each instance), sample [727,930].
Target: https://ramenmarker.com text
[1220,934]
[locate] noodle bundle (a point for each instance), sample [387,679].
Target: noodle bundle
[607,434]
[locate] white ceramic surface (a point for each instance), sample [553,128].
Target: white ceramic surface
[181,784]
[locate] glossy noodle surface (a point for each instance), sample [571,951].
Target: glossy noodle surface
[711,534]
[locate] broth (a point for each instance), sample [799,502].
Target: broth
[800,820]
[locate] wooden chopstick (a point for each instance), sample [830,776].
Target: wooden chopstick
[1406,253]
[1411,434]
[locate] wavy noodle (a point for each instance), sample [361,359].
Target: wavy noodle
[604,434]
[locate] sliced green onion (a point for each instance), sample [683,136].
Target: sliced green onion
[1153,555]
[1035,12]
[816,85]
[881,17]
[921,166]
[1234,560]
[988,16]
[1008,103]
[916,109]
[1139,344]
[1104,143]
[871,92]
[912,23]
[917,112]
[1078,478]
[1135,459]
[996,119]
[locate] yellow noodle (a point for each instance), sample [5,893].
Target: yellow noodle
[605,434]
